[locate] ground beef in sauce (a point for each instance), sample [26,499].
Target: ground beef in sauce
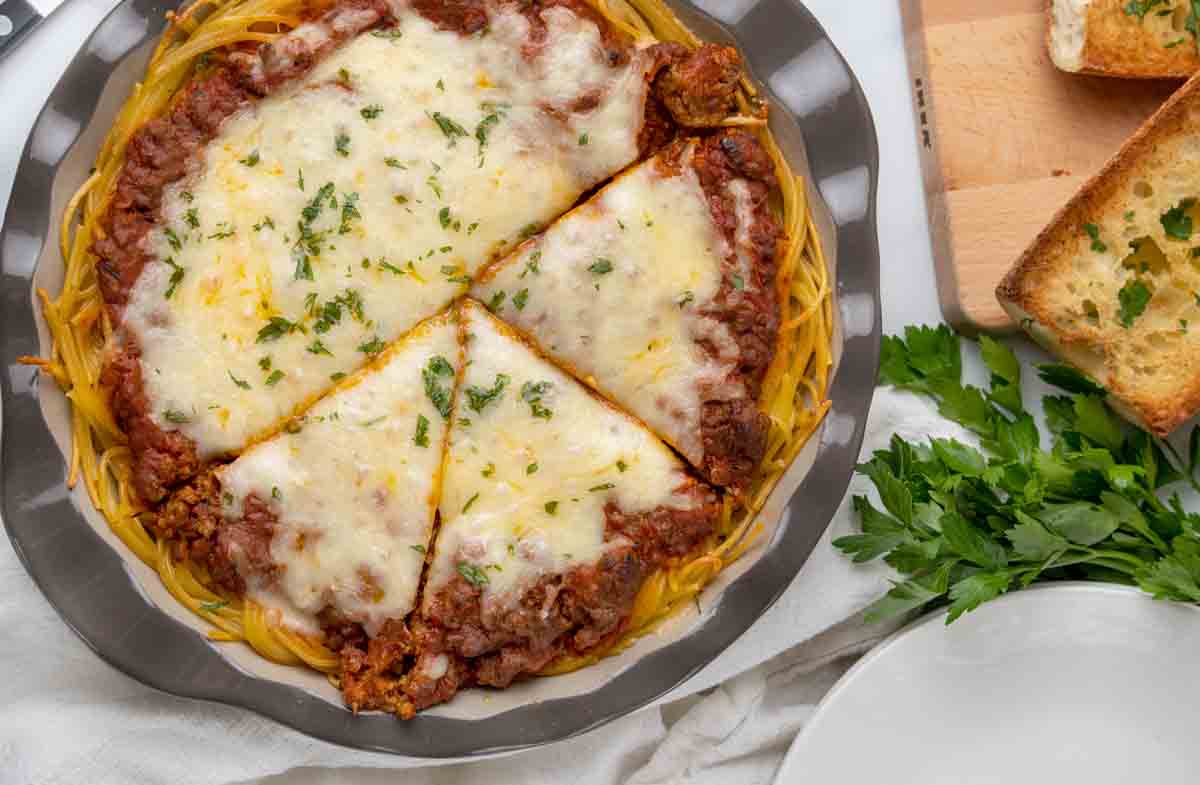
[734,432]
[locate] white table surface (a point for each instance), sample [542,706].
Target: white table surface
[871,41]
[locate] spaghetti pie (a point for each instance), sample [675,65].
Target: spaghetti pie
[285,401]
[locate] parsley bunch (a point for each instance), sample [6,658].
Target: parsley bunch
[965,525]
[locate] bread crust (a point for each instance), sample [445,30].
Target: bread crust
[1117,45]
[1050,263]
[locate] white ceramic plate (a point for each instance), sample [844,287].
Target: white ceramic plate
[1071,683]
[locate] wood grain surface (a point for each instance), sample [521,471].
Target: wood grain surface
[1006,138]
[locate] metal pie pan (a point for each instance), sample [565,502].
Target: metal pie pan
[112,601]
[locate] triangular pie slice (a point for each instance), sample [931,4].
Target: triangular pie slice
[555,507]
[329,521]
[660,291]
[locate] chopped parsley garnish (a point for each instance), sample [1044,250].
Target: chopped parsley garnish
[300,178]
[274,378]
[329,313]
[738,282]
[532,394]
[373,346]
[341,144]
[384,264]
[250,160]
[520,298]
[349,212]
[455,274]
[480,397]
[1133,297]
[583,139]
[187,196]
[441,85]
[172,238]
[267,222]
[601,266]
[264,362]
[602,487]
[276,328]
[622,466]
[484,129]
[551,508]
[532,265]
[685,298]
[447,220]
[394,163]
[531,468]
[470,502]
[177,273]
[374,421]
[1176,222]
[489,470]
[245,385]
[214,606]
[317,347]
[450,128]
[472,574]
[275,494]
[1139,8]
[433,375]
[497,301]
[1093,232]
[418,548]
[371,111]
[175,416]
[434,185]
[337,377]
[390,33]
[224,229]
[192,218]
[529,230]
[421,437]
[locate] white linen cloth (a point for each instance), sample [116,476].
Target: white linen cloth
[65,717]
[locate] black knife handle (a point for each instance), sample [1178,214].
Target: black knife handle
[17,17]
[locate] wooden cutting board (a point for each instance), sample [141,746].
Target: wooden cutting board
[1005,138]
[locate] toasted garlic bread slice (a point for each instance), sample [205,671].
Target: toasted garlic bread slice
[1113,283]
[1139,39]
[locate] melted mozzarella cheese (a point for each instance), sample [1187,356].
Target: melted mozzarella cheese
[533,458]
[617,289]
[354,490]
[370,190]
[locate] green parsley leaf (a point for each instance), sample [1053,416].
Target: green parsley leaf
[470,502]
[373,346]
[341,144]
[245,385]
[274,378]
[1133,298]
[520,298]
[421,437]
[250,160]
[472,574]
[371,111]
[438,377]
[551,508]
[1177,222]
[449,128]
[276,328]
[1093,232]
[479,397]
[601,266]
[601,487]
[176,417]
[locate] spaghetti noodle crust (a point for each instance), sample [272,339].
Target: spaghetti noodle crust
[793,393]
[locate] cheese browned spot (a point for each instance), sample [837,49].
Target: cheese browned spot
[331,216]
[643,293]
[350,491]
